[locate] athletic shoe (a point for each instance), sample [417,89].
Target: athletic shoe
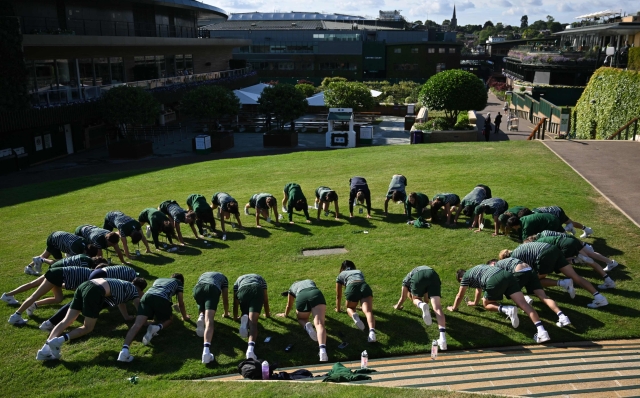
[251,355]
[608,284]
[323,356]
[124,356]
[280,217]
[512,314]
[426,314]
[30,271]
[563,321]
[55,343]
[37,263]
[244,331]
[358,321]
[570,229]
[148,231]
[152,331]
[326,213]
[46,326]
[268,219]
[610,265]
[9,299]
[541,337]
[567,285]
[312,332]
[246,212]
[372,337]
[17,320]
[47,354]
[442,344]
[529,300]
[31,308]
[284,209]
[598,301]
[200,326]
[587,232]
[206,358]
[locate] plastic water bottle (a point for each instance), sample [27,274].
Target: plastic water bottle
[434,350]
[265,370]
[364,359]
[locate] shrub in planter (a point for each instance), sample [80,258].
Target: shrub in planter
[438,124]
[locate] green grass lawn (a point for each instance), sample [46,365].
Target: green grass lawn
[523,173]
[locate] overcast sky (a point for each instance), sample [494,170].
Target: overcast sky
[474,12]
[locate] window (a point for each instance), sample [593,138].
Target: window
[397,50]
[440,68]
[405,66]
[285,65]
[441,50]
[338,66]
[304,65]
[414,50]
[431,50]
[452,50]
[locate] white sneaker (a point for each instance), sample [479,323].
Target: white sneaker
[372,337]
[9,299]
[358,321]
[512,314]
[148,231]
[47,354]
[124,356]
[542,337]
[323,356]
[280,217]
[268,219]
[598,301]
[312,332]
[529,300]
[567,285]
[207,358]
[55,343]
[608,284]
[37,263]
[426,314]
[244,331]
[251,355]
[570,229]
[152,331]
[563,321]
[246,212]
[30,271]
[17,320]
[46,326]
[200,326]
[31,309]
[587,232]
[442,344]
[284,209]
[610,265]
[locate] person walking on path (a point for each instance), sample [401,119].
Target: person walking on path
[497,122]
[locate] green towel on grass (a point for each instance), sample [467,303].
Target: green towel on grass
[340,374]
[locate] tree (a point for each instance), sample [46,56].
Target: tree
[284,102]
[125,105]
[555,27]
[307,89]
[430,24]
[210,103]
[418,22]
[349,95]
[487,24]
[530,33]
[499,27]
[453,91]
[524,22]
[446,22]
[328,80]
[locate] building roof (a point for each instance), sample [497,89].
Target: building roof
[605,29]
[291,16]
[370,25]
[265,25]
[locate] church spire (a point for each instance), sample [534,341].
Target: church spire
[453,25]
[454,11]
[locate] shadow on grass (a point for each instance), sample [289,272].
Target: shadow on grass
[298,228]
[156,258]
[600,246]
[362,222]
[258,232]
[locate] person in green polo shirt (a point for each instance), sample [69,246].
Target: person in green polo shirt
[294,199]
[226,206]
[497,283]
[504,217]
[396,192]
[263,203]
[250,294]
[57,243]
[309,300]
[178,216]
[324,196]
[493,206]
[207,292]
[534,224]
[471,200]
[356,290]
[127,227]
[204,213]
[158,222]
[418,201]
[422,285]
[448,201]
[570,225]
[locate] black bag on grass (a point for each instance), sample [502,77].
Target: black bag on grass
[252,369]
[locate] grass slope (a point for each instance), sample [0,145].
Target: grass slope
[523,173]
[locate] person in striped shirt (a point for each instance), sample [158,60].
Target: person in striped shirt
[528,279]
[263,203]
[421,285]
[126,227]
[250,294]
[577,251]
[52,280]
[226,206]
[57,243]
[447,200]
[356,290]
[101,238]
[359,193]
[158,222]
[204,213]
[493,206]
[178,215]
[570,225]
[545,259]
[534,223]
[417,200]
[207,292]
[309,300]
[156,305]
[471,200]
[396,192]
[504,217]
[294,199]
[324,196]
[90,298]
[497,283]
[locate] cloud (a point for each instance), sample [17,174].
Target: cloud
[466,5]
[233,5]
[565,7]
[364,4]
[504,3]
[535,2]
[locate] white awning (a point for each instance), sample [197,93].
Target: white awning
[606,13]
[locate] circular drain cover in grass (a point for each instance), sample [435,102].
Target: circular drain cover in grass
[323,252]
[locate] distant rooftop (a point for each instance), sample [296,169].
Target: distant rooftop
[291,16]
[297,24]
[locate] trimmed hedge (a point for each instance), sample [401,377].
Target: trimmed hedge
[634,58]
[610,100]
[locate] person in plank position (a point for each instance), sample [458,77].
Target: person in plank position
[178,215]
[448,201]
[207,292]
[204,213]
[471,200]
[127,227]
[356,290]
[324,196]
[250,294]
[57,243]
[263,203]
[294,199]
[158,222]
[396,192]
[359,193]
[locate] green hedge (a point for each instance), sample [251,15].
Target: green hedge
[634,58]
[610,100]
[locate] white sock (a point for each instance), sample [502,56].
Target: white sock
[58,339]
[420,304]
[206,350]
[541,329]
[251,347]
[443,336]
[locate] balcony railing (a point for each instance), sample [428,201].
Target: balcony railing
[90,27]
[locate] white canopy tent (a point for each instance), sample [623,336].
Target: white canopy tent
[318,99]
[250,95]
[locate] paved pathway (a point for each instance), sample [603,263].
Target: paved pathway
[583,369]
[494,105]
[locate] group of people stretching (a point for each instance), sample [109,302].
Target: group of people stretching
[547,248]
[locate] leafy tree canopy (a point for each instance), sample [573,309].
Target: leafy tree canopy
[328,80]
[284,102]
[210,103]
[524,22]
[307,89]
[129,105]
[349,95]
[487,24]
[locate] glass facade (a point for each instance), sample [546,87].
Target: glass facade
[51,73]
[337,37]
[282,65]
[280,48]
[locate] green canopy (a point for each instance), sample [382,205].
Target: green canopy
[343,116]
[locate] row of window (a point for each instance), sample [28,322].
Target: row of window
[279,48]
[430,50]
[283,65]
[439,67]
[337,37]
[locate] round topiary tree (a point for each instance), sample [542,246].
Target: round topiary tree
[284,101]
[307,89]
[125,105]
[453,91]
[349,95]
[210,103]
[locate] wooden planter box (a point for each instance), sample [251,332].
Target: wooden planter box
[130,149]
[283,139]
[221,141]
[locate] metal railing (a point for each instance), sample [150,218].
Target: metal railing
[618,134]
[159,135]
